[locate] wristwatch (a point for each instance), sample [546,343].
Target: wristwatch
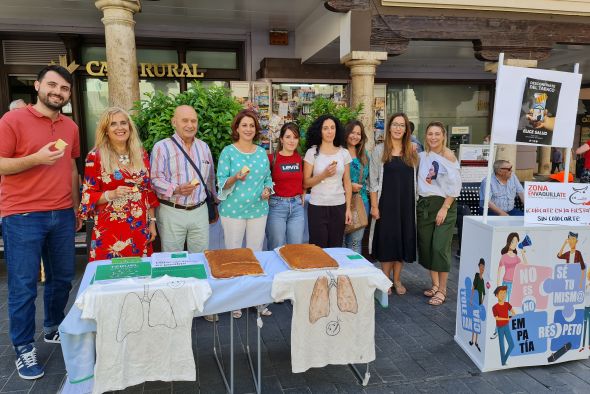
[152,220]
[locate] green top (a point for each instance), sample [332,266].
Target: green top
[479,286]
[243,200]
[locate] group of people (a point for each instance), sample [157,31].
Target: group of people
[133,196]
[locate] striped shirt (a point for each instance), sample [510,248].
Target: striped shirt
[170,168]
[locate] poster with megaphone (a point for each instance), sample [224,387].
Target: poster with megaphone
[566,204]
[524,302]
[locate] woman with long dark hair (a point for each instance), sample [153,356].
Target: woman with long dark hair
[508,262]
[393,200]
[326,170]
[285,224]
[354,140]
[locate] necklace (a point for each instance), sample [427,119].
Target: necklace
[124,159]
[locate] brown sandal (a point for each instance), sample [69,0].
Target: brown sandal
[431,292]
[399,288]
[437,300]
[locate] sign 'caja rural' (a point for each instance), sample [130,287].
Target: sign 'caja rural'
[98,68]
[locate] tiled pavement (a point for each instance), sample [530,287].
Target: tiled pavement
[415,353]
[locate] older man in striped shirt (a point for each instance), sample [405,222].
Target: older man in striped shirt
[182,215]
[505,186]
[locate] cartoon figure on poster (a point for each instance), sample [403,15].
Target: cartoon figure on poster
[586,325]
[473,311]
[503,312]
[573,256]
[510,260]
[480,288]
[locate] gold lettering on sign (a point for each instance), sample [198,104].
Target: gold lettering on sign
[98,68]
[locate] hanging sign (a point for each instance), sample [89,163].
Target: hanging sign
[567,204]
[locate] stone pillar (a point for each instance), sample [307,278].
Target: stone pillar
[363,65]
[120,47]
[545,160]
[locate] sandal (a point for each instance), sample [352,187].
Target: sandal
[237,314]
[437,300]
[431,292]
[399,288]
[265,312]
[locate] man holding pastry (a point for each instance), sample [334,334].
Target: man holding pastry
[183,215]
[38,149]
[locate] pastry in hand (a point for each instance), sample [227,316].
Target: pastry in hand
[245,170]
[333,163]
[195,182]
[60,144]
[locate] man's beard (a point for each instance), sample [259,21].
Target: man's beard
[45,100]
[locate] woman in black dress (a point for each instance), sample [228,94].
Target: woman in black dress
[392,193]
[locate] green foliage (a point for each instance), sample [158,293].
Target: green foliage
[215,106]
[323,106]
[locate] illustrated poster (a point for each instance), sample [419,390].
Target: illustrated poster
[538,111]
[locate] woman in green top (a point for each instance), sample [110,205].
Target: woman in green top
[245,185]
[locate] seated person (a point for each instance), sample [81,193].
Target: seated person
[504,188]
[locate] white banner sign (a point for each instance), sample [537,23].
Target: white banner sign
[566,204]
[535,107]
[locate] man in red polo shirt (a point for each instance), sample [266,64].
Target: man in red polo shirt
[39,189]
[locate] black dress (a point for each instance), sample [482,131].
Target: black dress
[394,238]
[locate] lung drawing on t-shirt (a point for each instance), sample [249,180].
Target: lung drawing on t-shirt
[132,318]
[319,303]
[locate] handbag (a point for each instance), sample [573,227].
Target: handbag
[212,211]
[358,212]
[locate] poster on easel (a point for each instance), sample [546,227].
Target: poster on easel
[240,90]
[261,103]
[379,111]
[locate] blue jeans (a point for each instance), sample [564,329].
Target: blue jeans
[354,240]
[285,222]
[504,332]
[29,237]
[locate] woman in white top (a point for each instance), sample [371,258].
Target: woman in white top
[439,184]
[326,170]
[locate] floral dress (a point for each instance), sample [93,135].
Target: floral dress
[121,226]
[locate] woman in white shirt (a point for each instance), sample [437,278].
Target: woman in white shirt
[326,170]
[439,184]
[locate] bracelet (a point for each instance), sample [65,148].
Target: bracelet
[447,206]
[152,220]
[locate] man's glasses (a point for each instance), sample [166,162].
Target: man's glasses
[398,125]
[507,169]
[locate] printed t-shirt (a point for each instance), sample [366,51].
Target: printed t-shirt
[438,176]
[333,314]
[287,174]
[42,187]
[143,329]
[510,264]
[501,311]
[330,191]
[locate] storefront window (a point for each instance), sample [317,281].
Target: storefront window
[96,99]
[213,59]
[453,105]
[143,55]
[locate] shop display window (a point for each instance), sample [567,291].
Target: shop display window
[455,105]
[213,59]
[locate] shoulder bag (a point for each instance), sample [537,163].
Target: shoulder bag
[209,199]
[357,211]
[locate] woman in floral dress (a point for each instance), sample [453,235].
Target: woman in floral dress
[117,191]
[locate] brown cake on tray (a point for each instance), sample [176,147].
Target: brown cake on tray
[306,256]
[231,263]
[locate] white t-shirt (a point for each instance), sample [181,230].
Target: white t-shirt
[333,314]
[330,191]
[438,176]
[143,329]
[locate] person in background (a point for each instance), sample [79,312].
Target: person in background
[415,140]
[286,220]
[437,209]
[504,186]
[40,192]
[393,200]
[486,139]
[354,140]
[245,185]
[556,159]
[117,192]
[17,104]
[326,170]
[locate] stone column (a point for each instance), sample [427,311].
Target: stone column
[120,47]
[363,65]
[545,160]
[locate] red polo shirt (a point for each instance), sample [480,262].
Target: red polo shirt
[40,188]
